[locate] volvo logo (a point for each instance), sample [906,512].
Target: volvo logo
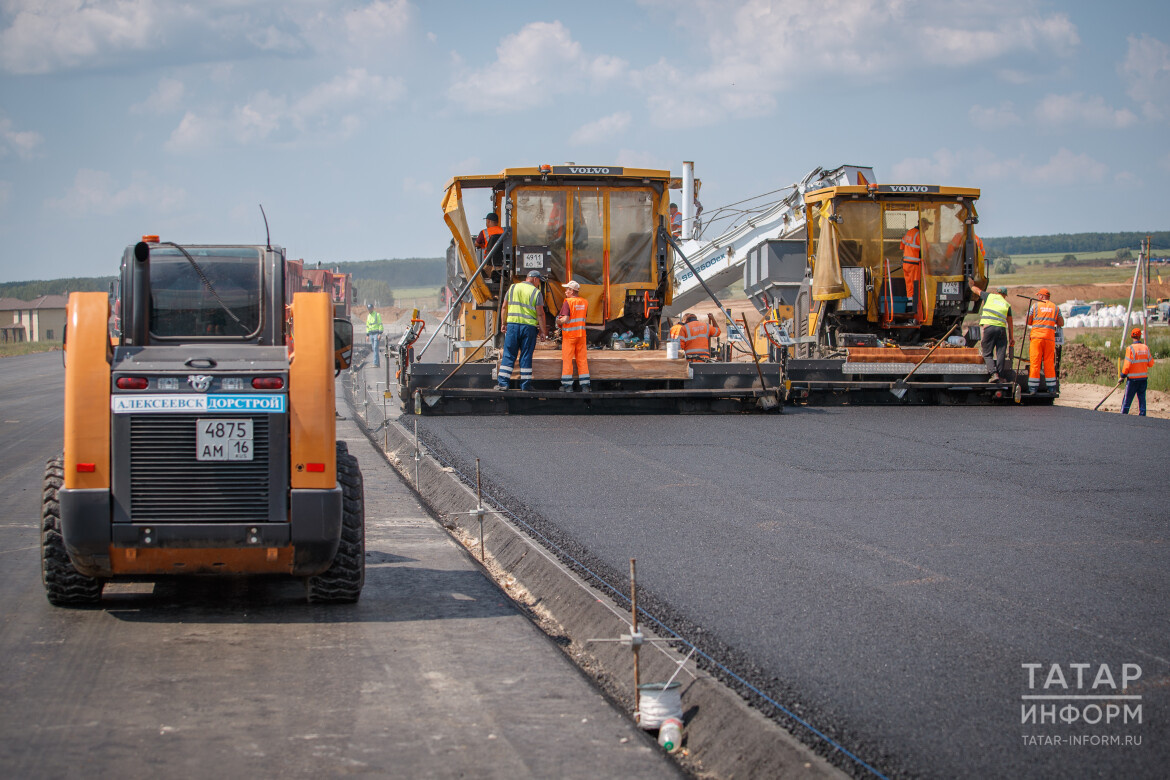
[576,170]
[199,382]
[916,188]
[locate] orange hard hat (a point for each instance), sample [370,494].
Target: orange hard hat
[1136,333]
[1043,291]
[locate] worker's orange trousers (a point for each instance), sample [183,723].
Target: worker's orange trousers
[1042,354]
[573,348]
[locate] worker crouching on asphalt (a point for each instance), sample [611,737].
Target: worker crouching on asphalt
[997,331]
[572,322]
[1044,318]
[523,314]
[696,337]
[1136,370]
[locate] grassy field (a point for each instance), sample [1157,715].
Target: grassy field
[1030,269]
[27,347]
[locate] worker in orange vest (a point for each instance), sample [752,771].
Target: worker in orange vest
[696,337]
[572,321]
[1044,318]
[676,330]
[675,221]
[493,229]
[1136,370]
[912,245]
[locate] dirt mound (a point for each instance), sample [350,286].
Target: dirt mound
[1079,359]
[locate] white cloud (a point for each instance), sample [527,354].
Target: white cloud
[938,169]
[532,66]
[603,129]
[975,167]
[334,107]
[165,98]
[760,48]
[354,86]
[49,36]
[21,142]
[94,193]
[46,36]
[378,23]
[1146,71]
[1065,168]
[994,117]
[631,158]
[1076,109]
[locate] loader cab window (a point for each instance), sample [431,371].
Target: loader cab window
[224,304]
[631,236]
[541,219]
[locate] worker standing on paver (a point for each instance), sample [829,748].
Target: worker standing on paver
[572,322]
[912,246]
[523,316]
[997,330]
[374,331]
[1045,318]
[696,338]
[1136,370]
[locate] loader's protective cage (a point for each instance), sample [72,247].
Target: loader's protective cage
[870,222]
[182,306]
[601,230]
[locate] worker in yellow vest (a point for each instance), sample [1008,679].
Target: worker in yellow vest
[374,331]
[523,319]
[997,330]
[1136,370]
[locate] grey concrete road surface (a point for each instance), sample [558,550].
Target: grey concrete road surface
[434,673]
[887,573]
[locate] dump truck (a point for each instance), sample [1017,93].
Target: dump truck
[604,227]
[838,312]
[200,438]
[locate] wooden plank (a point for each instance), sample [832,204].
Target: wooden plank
[614,364]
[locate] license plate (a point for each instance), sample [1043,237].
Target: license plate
[227,439]
[950,288]
[533,260]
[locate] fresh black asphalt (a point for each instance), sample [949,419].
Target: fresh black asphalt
[884,572]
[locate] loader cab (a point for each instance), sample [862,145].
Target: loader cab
[595,225]
[201,294]
[855,236]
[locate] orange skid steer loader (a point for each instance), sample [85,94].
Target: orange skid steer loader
[198,440]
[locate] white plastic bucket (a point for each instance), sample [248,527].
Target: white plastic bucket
[672,349]
[657,702]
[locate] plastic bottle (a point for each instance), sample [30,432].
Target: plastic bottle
[646,334]
[670,734]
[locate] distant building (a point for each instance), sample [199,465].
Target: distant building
[42,319]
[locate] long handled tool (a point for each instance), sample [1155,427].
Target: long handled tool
[768,401]
[1106,398]
[899,388]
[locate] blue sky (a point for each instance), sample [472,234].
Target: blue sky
[345,119]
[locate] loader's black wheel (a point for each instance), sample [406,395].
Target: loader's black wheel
[342,582]
[65,586]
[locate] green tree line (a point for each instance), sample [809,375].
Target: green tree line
[400,272]
[1075,242]
[28,291]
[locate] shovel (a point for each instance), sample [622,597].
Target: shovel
[1106,398]
[899,388]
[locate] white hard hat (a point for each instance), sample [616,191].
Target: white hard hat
[573,285]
